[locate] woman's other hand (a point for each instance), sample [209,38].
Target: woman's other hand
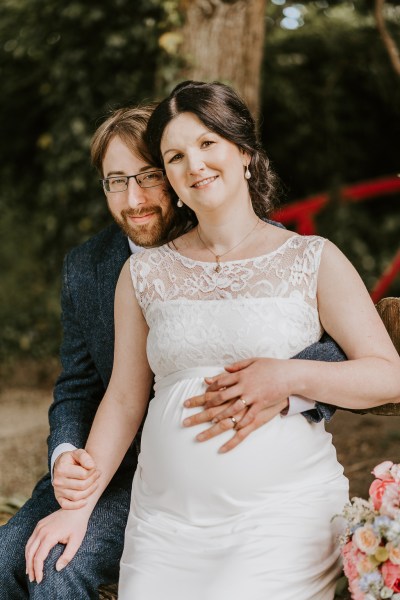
[61,527]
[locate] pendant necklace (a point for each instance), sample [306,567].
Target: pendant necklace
[218,267]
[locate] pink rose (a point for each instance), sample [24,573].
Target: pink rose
[390,500]
[377,489]
[356,593]
[395,472]
[382,471]
[391,575]
[351,556]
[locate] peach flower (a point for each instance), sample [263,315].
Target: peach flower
[394,554]
[366,539]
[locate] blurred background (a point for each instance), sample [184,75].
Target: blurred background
[318,74]
[322,77]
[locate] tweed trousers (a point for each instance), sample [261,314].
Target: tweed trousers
[96,562]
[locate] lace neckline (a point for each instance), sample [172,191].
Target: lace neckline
[182,257]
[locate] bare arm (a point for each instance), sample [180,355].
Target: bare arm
[124,404]
[371,376]
[115,425]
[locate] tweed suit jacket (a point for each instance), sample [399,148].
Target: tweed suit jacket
[90,275]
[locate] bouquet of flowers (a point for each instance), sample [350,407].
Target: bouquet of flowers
[370,545]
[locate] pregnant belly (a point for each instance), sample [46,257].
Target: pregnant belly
[183,476]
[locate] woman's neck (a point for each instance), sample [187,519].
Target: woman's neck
[224,234]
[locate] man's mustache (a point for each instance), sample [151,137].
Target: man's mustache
[138,212]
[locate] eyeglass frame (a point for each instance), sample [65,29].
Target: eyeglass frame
[128,177]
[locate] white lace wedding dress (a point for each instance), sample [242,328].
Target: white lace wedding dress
[254,523]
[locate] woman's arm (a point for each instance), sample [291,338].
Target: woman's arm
[371,376]
[124,404]
[115,425]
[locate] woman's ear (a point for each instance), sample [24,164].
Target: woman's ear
[246,157]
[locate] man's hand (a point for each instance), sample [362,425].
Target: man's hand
[248,395]
[75,478]
[61,527]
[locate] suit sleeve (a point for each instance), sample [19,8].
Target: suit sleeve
[328,351]
[79,388]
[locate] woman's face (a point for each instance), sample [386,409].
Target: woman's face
[205,170]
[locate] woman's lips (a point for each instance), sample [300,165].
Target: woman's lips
[204,182]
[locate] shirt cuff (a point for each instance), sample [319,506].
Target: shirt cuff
[56,453]
[297,405]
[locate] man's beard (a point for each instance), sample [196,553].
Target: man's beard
[149,234]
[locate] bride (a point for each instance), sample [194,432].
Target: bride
[255,521]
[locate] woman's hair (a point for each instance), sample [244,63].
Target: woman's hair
[222,111]
[127,123]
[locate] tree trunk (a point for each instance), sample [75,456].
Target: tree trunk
[224,40]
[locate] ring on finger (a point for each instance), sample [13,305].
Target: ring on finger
[243,401]
[234,421]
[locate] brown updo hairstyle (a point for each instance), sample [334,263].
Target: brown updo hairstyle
[222,111]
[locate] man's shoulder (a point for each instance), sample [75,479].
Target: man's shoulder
[107,242]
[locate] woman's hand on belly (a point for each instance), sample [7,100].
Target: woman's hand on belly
[264,416]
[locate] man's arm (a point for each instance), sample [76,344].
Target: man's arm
[328,351]
[79,387]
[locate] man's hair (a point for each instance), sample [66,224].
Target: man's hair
[127,123]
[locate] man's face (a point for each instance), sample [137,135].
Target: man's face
[144,214]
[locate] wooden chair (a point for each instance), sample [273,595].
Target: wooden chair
[389,310]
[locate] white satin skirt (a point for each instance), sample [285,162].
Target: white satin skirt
[255,523]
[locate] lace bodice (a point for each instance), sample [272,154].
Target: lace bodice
[262,306]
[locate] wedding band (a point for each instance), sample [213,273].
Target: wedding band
[244,401]
[233,421]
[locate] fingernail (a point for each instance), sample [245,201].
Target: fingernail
[185,422]
[201,437]
[222,450]
[186,403]
[60,566]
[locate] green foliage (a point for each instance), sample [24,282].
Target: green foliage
[62,67]
[331,106]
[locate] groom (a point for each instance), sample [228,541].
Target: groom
[143,215]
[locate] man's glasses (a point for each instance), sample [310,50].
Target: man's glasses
[120,183]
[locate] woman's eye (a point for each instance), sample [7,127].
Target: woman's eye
[207,143]
[175,158]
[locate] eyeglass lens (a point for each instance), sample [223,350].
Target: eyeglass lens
[145,180]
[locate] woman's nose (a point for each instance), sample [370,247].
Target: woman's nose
[195,163]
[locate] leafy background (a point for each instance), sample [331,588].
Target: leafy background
[330,116]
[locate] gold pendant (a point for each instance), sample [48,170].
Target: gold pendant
[218,267]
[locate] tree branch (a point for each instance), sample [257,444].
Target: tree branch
[387,39]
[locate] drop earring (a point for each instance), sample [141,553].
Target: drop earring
[247,174]
[179,203]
